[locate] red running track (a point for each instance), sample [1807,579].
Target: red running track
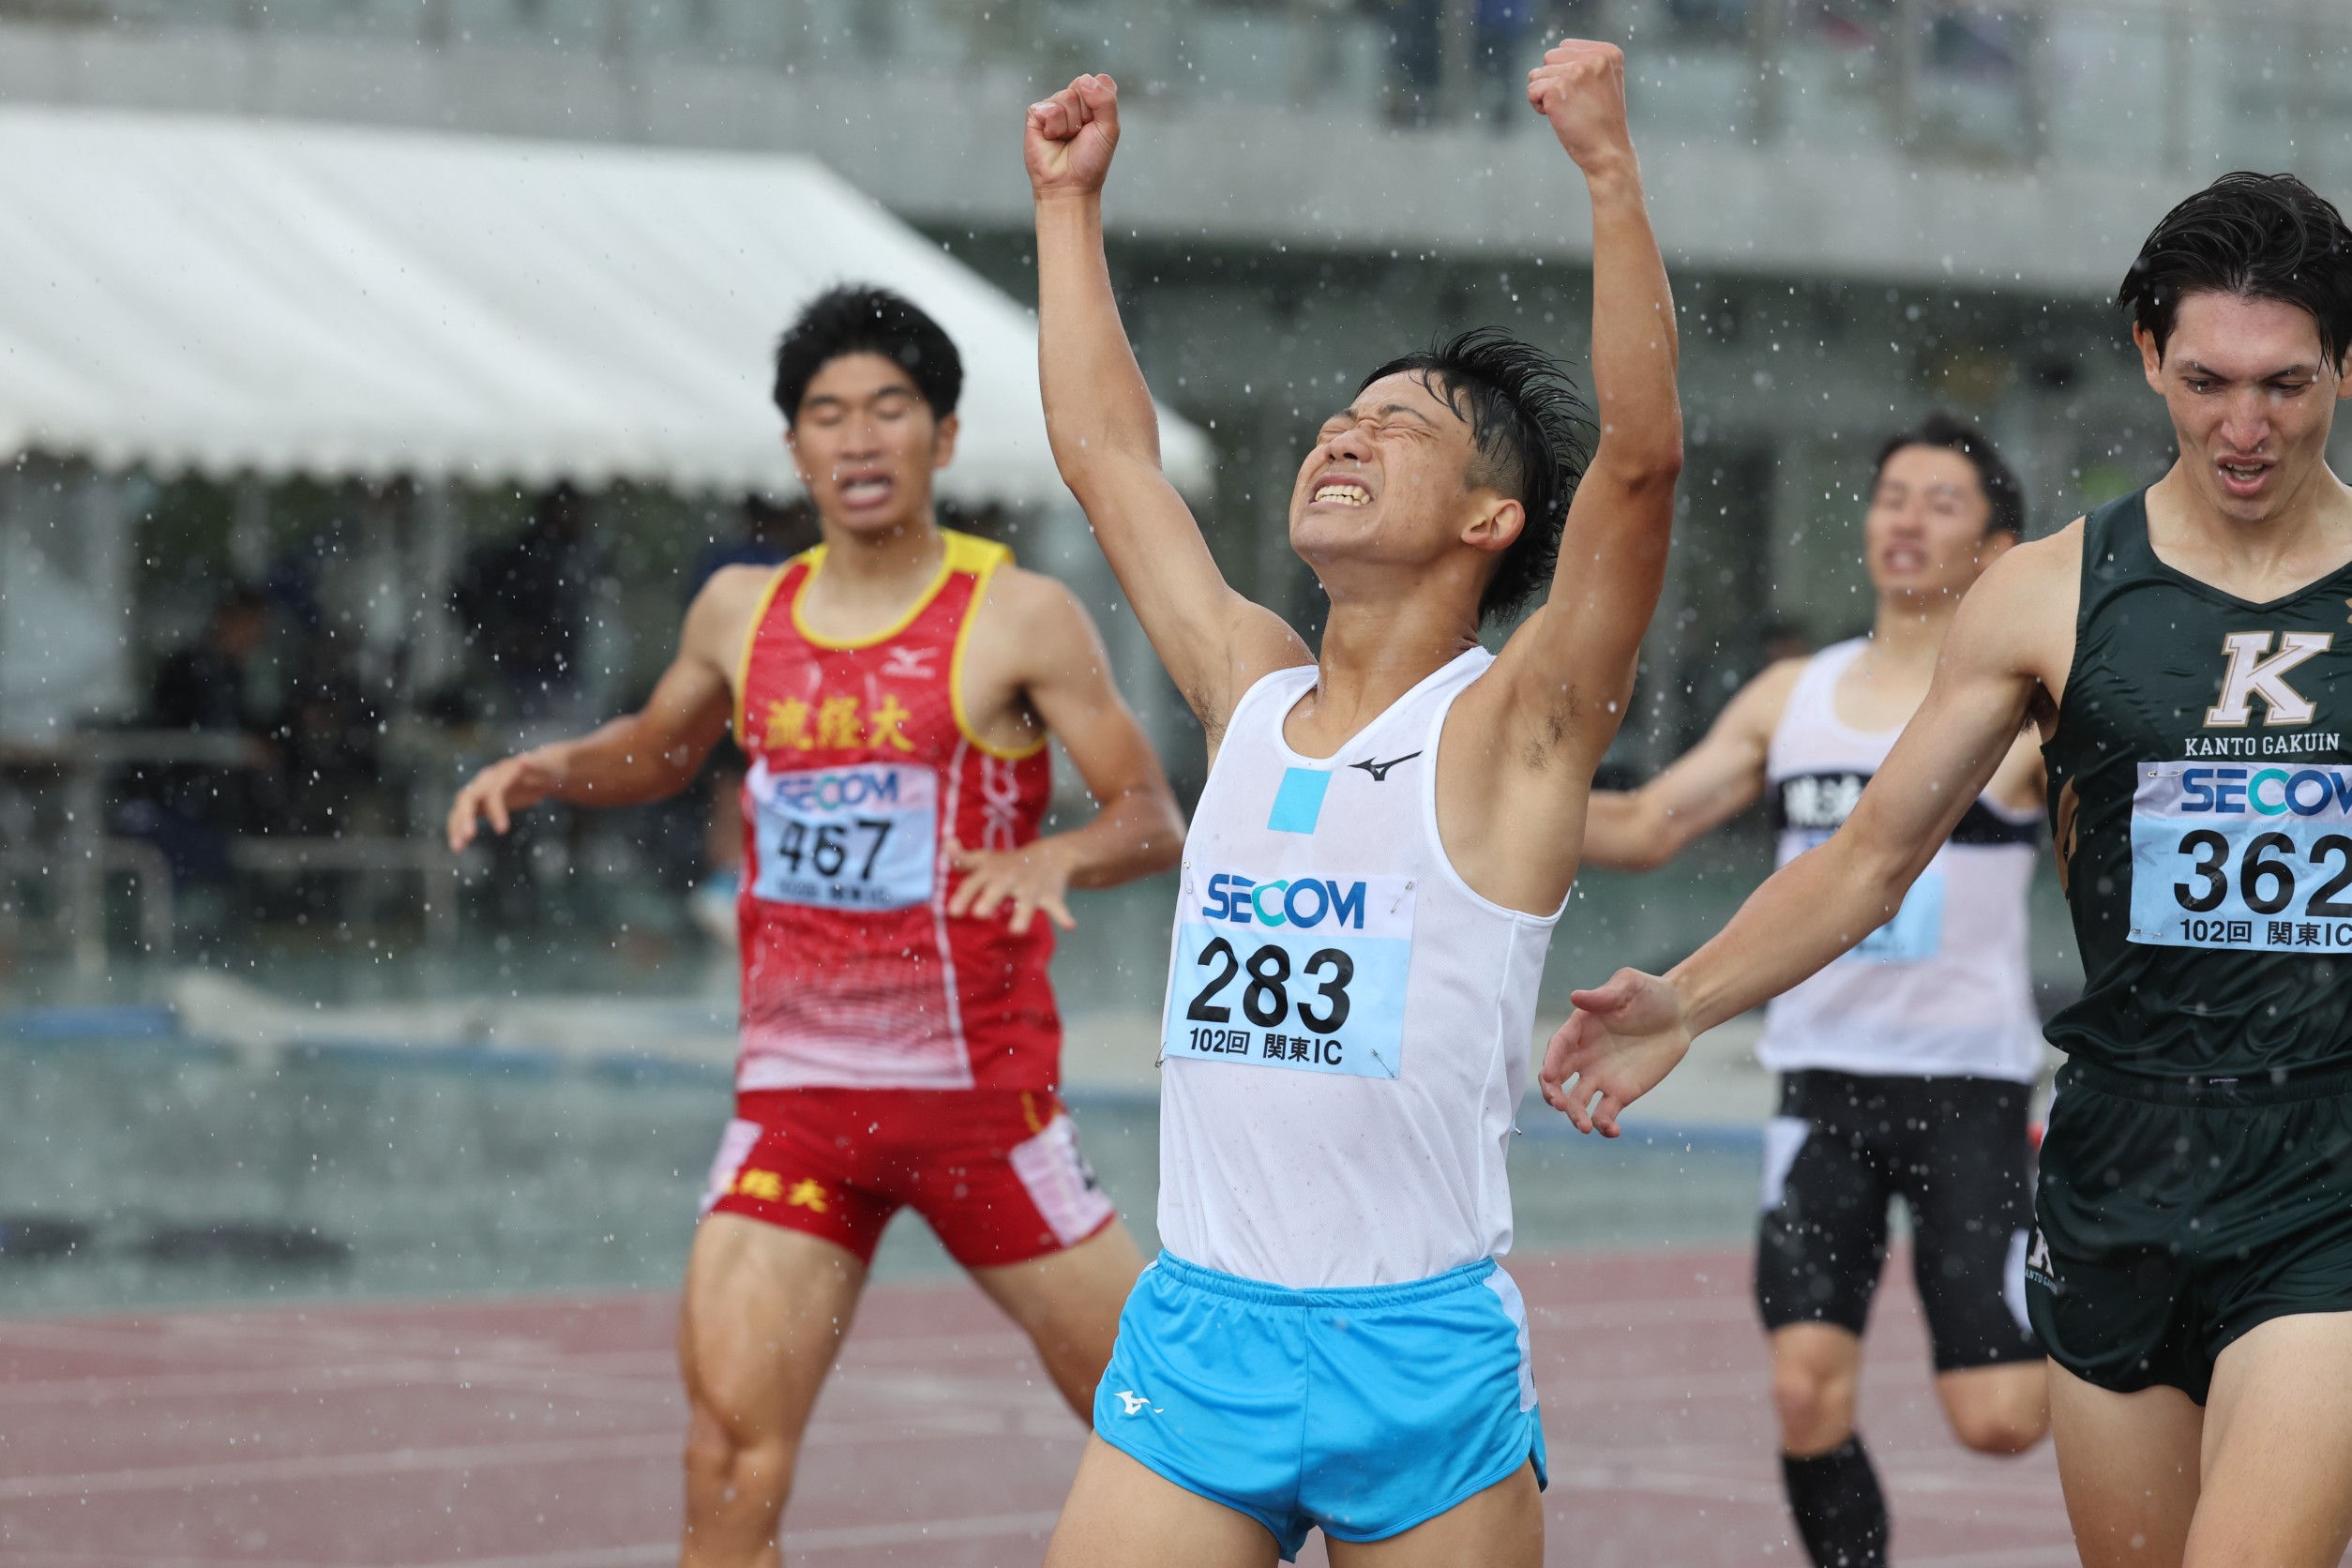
[543,1433]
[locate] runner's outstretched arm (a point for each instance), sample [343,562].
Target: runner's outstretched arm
[1106,432]
[1137,830]
[1639,830]
[1569,669]
[651,754]
[1627,1034]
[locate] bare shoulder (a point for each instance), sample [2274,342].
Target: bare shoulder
[2055,561]
[1033,622]
[720,616]
[2018,594]
[2018,621]
[1019,592]
[1763,700]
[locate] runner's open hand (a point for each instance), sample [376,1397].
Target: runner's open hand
[1035,877]
[1580,87]
[497,793]
[1071,136]
[1616,1045]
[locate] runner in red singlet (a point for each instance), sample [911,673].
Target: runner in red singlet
[894,688]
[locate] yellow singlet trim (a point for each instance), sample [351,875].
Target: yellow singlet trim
[750,636]
[950,561]
[981,558]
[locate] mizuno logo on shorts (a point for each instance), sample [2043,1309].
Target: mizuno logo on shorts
[1136,1403]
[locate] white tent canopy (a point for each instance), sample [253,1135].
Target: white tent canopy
[230,297]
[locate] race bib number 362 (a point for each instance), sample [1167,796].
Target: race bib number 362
[862,838]
[1304,972]
[2242,857]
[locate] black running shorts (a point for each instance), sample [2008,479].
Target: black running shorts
[2175,1215]
[1955,1151]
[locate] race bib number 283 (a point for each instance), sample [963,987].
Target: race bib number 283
[1303,972]
[2242,857]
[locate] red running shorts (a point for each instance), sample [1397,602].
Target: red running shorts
[995,1172]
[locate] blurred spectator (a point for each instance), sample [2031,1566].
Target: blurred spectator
[201,685]
[772,535]
[1501,55]
[524,602]
[329,742]
[1415,60]
[1706,21]
[188,810]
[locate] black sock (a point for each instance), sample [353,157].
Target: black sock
[1840,1511]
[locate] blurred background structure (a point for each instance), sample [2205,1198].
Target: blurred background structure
[259,1034]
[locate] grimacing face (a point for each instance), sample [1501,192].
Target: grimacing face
[2252,399]
[1924,534]
[1385,482]
[867,445]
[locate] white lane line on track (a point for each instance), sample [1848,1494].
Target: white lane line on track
[840,1537]
[21,1559]
[2012,1556]
[331,1467]
[362,1376]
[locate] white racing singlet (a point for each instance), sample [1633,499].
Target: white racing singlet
[1942,989]
[1347,1025]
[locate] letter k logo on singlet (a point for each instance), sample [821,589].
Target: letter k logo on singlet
[2251,675]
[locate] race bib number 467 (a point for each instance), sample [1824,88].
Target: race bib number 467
[1304,972]
[2241,856]
[861,837]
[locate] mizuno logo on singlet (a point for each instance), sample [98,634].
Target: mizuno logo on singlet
[1380,770]
[2251,675]
[913,664]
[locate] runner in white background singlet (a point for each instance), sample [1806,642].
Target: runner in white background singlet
[1388,833]
[1905,1066]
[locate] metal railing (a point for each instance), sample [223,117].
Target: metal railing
[2139,85]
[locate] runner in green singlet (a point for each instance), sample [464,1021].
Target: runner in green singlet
[2186,656]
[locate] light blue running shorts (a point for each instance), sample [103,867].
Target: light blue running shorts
[1363,1411]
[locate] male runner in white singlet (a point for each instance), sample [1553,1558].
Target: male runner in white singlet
[894,688]
[1385,839]
[1907,1065]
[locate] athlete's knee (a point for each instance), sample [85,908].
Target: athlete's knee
[733,1467]
[1816,1405]
[2010,1422]
[2002,1437]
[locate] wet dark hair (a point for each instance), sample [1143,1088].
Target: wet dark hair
[2002,493]
[1527,425]
[862,319]
[2260,236]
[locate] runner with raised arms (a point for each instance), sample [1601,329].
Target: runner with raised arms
[1386,837]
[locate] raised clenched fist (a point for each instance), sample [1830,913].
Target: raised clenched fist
[1580,87]
[1071,136]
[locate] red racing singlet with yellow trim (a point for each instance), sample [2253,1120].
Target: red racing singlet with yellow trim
[862,767]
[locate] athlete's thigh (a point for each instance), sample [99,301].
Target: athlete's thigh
[1068,1303]
[1821,1229]
[764,1311]
[1502,1527]
[1122,1514]
[1964,1179]
[2129,1466]
[2277,1447]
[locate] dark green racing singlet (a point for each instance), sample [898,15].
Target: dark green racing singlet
[2201,794]
[2196,1175]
